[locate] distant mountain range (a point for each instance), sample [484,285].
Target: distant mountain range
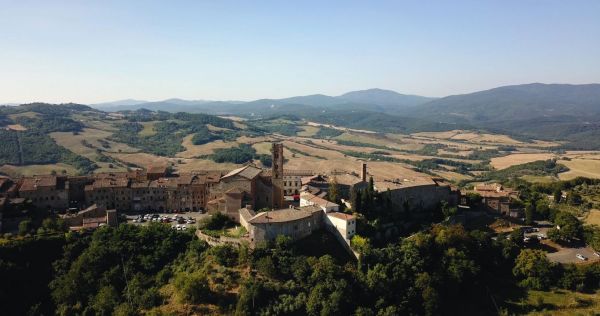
[378,100]
[542,111]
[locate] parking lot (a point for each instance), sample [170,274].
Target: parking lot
[569,255]
[189,220]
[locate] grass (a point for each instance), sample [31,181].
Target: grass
[538,179]
[308,131]
[216,129]
[558,302]
[263,148]
[30,170]
[148,129]
[593,217]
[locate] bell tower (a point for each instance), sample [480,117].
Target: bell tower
[277,175]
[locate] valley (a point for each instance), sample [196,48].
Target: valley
[187,142]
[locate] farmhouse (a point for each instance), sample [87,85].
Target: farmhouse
[497,198]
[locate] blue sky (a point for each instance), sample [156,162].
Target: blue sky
[95,51]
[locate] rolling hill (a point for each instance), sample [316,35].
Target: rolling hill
[515,103]
[543,111]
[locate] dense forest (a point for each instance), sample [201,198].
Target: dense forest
[128,270]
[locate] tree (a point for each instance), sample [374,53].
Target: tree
[355,199]
[474,199]
[360,244]
[529,213]
[542,209]
[333,192]
[568,227]
[574,198]
[557,194]
[24,227]
[534,269]
[106,299]
[591,235]
[448,211]
[192,287]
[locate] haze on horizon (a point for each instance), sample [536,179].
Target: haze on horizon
[90,52]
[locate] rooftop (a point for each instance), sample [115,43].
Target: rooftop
[284,215]
[32,183]
[393,184]
[342,216]
[248,172]
[317,200]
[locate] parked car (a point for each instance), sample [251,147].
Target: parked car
[597,254]
[183,227]
[581,257]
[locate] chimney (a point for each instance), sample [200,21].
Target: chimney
[363,172]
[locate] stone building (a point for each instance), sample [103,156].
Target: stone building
[292,181]
[45,192]
[423,194]
[90,218]
[497,198]
[295,223]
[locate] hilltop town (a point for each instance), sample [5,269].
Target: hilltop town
[267,202]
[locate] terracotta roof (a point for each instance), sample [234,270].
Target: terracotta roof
[111,183]
[140,184]
[284,215]
[165,183]
[317,200]
[32,183]
[488,187]
[343,216]
[157,169]
[394,184]
[346,179]
[247,214]
[315,178]
[213,177]
[185,178]
[248,172]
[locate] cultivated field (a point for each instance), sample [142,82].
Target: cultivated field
[584,164]
[303,151]
[518,159]
[30,170]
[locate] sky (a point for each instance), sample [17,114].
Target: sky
[97,51]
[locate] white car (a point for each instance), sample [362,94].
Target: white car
[597,254]
[541,236]
[183,227]
[581,257]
